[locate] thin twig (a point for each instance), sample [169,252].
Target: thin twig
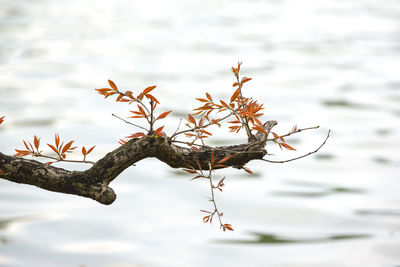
[199,127]
[213,197]
[63,160]
[305,155]
[297,131]
[130,122]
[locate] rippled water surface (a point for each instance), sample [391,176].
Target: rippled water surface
[329,63]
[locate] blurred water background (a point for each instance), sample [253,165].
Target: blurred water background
[331,63]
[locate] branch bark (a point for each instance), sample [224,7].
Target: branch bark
[94,182]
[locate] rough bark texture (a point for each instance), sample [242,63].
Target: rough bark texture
[93,183]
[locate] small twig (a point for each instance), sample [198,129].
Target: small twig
[177,128]
[213,198]
[305,155]
[63,160]
[130,122]
[297,131]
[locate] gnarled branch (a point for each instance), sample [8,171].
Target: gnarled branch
[94,182]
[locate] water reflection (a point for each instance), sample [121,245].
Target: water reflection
[275,239]
[318,190]
[6,223]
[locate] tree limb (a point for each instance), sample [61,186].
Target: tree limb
[94,182]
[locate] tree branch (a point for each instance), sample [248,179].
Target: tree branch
[94,182]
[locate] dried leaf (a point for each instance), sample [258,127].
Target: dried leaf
[2,119]
[209,96]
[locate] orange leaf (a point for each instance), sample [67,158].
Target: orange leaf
[258,128]
[36,142]
[202,99]
[245,79]
[2,119]
[52,147]
[67,147]
[148,89]
[159,131]
[90,149]
[247,170]
[191,119]
[228,226]
[26,145]
[205,132]
[225,159]
[239,63]
[152,98]
[141,110]
[84,151]
[163,115]
[21,153]
[209,96]
[235,71]
[112,84]
[287,146]
[235,95]
[136,135]
[57,140]
[190,171]
[136,117]
[235,84]
[103,90]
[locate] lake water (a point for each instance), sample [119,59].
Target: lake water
[329,63]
